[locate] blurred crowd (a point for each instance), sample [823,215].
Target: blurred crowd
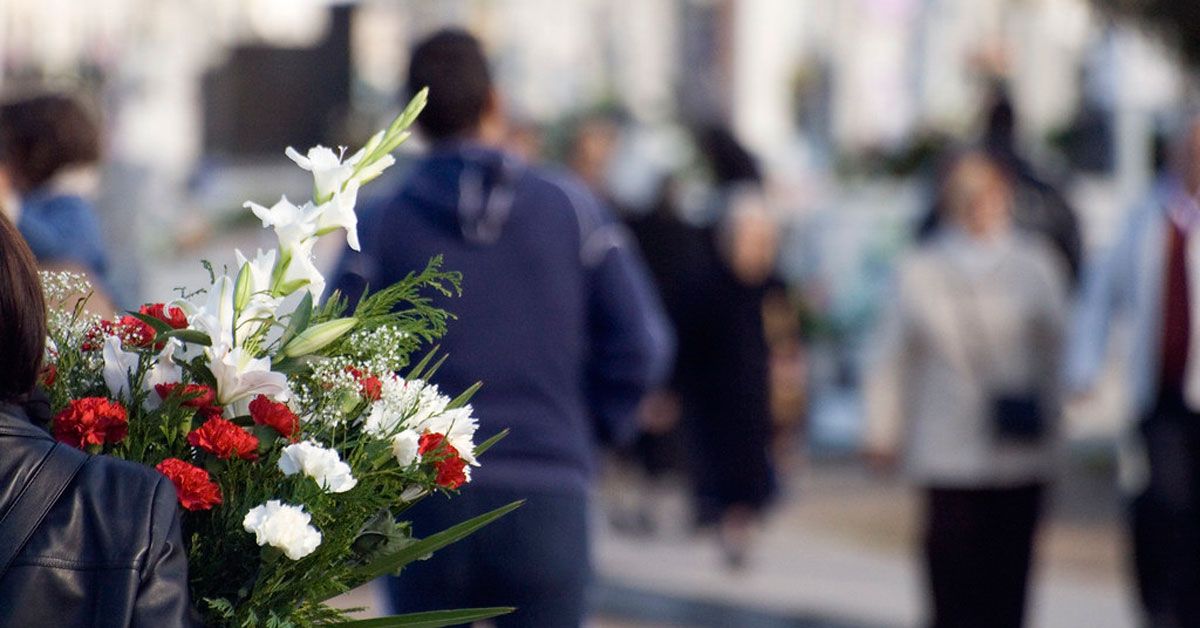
[658,326]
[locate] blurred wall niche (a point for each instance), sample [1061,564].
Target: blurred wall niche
[270,93]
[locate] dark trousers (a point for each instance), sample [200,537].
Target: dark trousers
[978,549]
[536,558]
[1165,520]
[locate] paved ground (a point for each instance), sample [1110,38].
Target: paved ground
[836,554]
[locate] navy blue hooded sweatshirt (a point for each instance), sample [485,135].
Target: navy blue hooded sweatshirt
[558,317]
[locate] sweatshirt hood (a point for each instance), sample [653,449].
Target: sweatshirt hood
[468,185]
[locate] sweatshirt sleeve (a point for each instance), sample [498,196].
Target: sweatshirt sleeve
[631,342]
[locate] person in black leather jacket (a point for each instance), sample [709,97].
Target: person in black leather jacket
[109,552]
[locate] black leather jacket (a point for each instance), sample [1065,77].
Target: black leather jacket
[108,554]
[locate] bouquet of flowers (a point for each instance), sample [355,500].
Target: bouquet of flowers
[282,420]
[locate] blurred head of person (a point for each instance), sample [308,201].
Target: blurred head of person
[43,136]
[978,196]
[728,161]
[22,317]
[749,237]
[592,146]
[463,102]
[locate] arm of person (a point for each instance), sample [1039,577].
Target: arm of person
[1107,290]
[163,598]
[1050,328]
[885,383]
[632,344]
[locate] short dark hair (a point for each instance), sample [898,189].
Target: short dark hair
[41,135]
[22,316]
[451,63]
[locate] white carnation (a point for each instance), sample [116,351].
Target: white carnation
[318,463]
[283,526]
[405,446]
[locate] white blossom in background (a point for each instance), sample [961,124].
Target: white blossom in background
[319,463]
[284,527]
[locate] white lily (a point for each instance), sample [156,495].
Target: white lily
[240,375]
[164,371]
[119,364]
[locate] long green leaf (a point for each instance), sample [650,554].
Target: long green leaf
[432,619]
[158,324]
[192,336]
[390,563]
[487,444]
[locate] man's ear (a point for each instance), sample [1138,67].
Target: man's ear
[492,124]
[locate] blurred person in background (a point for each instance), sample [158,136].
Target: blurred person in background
[1148,278]
[1038,207]
[49,154]
[558,319]
[963,388]
[721,278]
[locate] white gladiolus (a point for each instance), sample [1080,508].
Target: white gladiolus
[292,224]
[319,463]
[330,173]
[283,526]
[215,317]
[405,447]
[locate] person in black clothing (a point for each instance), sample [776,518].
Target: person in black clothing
[108,549]
[713,279]
[1038,207]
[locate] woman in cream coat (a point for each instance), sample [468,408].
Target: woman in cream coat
[978,316]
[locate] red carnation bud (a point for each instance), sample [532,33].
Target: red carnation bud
[193,486]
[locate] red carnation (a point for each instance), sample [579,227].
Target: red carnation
[193,485]
[451,468]
[172,316]
[224,440]
[276,415]
[91,421]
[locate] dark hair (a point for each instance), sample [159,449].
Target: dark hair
[728,160]
[22,316]
[43,134]
[452,65]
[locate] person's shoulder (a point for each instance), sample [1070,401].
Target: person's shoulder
[124,486]
[559,183]
[1036,255]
